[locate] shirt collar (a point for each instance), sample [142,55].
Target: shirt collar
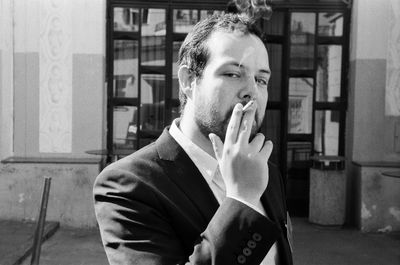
[206,164]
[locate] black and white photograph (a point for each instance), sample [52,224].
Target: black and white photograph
[219,132]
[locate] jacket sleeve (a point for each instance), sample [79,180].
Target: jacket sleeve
[135,228]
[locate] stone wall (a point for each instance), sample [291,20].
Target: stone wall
[70,200]
[378,204]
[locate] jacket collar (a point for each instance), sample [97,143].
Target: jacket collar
[186,175]
[183,172]
[167,148]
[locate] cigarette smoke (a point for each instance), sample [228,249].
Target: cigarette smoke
[253,8]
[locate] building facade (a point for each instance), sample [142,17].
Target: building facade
[86,82]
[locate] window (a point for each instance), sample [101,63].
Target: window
[307,42]
[143,95]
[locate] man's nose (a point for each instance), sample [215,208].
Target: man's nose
[249,90]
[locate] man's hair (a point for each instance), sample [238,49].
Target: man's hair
[194,52]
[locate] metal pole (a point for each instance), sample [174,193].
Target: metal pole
[37,241]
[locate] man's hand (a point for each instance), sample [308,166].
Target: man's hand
[243,165]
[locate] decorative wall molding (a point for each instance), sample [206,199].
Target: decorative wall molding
[392,105]
[55,61]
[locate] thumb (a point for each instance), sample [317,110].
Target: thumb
[217,144]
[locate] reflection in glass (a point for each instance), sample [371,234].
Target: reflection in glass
[152,104]
[300,105]
[275,63]
[125,68]
[126,19]
[302,33]
[208,13]
[124,127]
[298,155]
[326,141]
[298,172]
[329,73]
[274,26]
[271,128]
[184,20]
[330,24]
[153,37]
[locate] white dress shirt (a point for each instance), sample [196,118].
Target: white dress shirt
[208,167]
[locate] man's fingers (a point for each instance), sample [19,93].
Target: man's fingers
[234,124]
[247,124]
[217,144]
[267,149]
[258,142]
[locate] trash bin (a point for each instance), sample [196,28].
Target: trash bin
[327,190]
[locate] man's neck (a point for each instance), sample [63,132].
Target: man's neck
[190,129]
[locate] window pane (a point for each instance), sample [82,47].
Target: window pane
[208,13]
[330,24]
[329,73]
[184,20]
[302,40]
[125,68]
[298,168]
[298,155]
[274,25]
[326,141]
[126,19]
[300,105]
[275,63]
[271,128]
[152,104]
[153,37]
[124,127]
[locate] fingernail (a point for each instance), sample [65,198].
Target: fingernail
[210,136]
[239,107]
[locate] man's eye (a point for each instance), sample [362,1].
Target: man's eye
[233,75]
[262,81]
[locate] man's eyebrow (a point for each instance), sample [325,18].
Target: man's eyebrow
[265,71]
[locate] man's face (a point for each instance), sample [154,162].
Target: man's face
[236,72]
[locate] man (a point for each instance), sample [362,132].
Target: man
[204,192]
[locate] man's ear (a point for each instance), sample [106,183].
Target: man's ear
[186,79]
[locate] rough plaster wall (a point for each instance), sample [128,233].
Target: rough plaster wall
[70,200]
[380,201]
[370,133]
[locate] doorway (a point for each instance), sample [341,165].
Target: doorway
[307,42]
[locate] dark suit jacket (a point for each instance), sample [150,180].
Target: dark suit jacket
[155,207]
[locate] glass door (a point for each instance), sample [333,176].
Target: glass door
[308,51]
[136,98]
[316,99]
[307,45]
[143,91]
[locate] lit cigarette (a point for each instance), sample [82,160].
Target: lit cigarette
[248,105]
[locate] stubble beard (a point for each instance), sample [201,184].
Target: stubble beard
[209,120]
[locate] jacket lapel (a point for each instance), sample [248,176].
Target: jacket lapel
[270,198]
[183,172]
